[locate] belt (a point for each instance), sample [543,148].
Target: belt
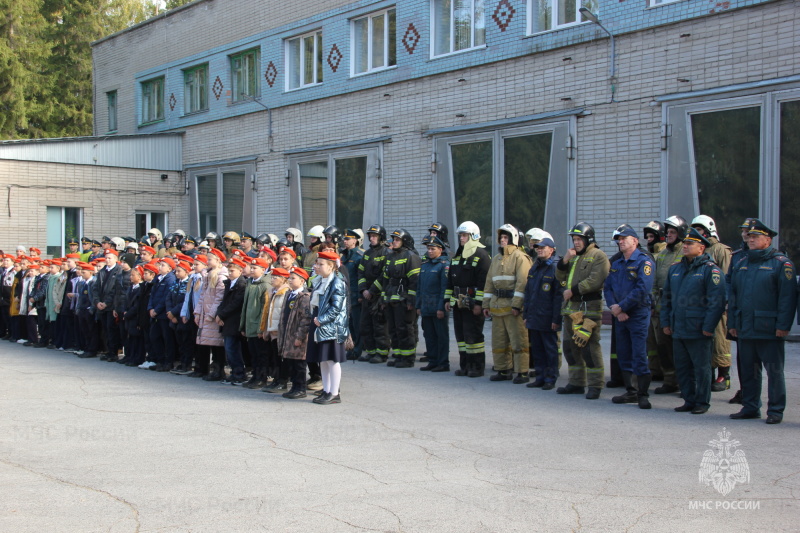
[504,293]
[590,297]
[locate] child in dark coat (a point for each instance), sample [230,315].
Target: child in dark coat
[229,313]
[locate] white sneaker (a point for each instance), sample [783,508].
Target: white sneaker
[22,341]
[146,365]
[79,352]
[62,349]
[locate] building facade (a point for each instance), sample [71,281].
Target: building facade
[523,111]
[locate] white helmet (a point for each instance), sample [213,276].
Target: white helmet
[119,244]
[511,230]
[537,234]
[180,232]
[316,231]
[706,222]
[273,239]
[296,234]
[470,228]
[360,233]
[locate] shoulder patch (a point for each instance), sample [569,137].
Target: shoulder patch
[715,277]
[648,269]
[788,272]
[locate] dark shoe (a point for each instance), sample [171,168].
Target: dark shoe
[520,379]
[322,397]
[685,408]
[629,397]
[460,372]
[744,415]
[571,389]
[440,368]
[294,394]
[327,399]
[178,369]
[502,375]
[49,346]
[666,389]
[319,392]
[721,383]
[614,384]
[536,384]
[593,393]
[236,381]
[123,360]
[737,398]
[132,363]
[29,343]
[657,377]
[427,367]
[548,386]
[474,374]
[279,387]
[699,410]
[377,359]
[644,402]
[424,359]
[774,419]
[251,383]
[271,386]
[350,356]
[88,355]
[365,357]
[404,362]
[195,374]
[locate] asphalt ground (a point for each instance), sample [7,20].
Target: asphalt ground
[91,446]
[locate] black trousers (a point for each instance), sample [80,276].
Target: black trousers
[162,340]
[259,353]
[297,373]
[90,332]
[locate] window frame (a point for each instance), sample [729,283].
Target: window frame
[451,51]
[153,100]
[318,54]
[592,5]
[388,39]
[194,89]
[655,3]
[249,209]
[111,110]
[238,97]
[149,223]
[78,232]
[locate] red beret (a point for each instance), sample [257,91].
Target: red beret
[260,262]
[289,251]
[107,252]
[169,261]
[140,270]
[38,251]
[279,272]
[201,259]
[237,263]
[185,265]
[149,249]
[329,255]
[270,252]
[74,256]
[183,257]
[151,267]
[299,271]
[219,254]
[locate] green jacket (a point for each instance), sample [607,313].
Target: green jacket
[584,275]
[253,305]
[665,259]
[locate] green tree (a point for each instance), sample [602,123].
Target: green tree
[172,4]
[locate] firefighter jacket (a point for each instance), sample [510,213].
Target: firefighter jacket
[585,275]
[720,253]
[467,277]
[505,283]
[398,283]
[371,266]
[664,260]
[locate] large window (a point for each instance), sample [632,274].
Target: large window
[374,42]
[457,25]
[341,188]
[544,15]
[521,176]
[145,220]
[195,89]
[224,199]
[304,60]
[111,101]
[153,100]
[63,223]
[244,75]
[735,158]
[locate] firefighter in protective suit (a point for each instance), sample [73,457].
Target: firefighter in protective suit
[721,353]
[464,295]
[374,331]
[398,289]
[503,297]
[582,272]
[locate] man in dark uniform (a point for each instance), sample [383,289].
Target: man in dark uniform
[351,259]
[762,307]
[736,256]
[627,293]
[374,330]
[692,302]
[464,295]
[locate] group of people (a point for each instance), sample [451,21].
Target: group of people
[291,314]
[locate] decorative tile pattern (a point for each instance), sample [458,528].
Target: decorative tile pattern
[271,74]
[217,88]
[503,14]
[411,38]
[334,58]
[172,102]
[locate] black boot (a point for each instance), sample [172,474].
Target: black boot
[644,396]
[462,364]
[630,395]
[476,364]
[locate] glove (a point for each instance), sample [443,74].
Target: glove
[583,332]
[576,317]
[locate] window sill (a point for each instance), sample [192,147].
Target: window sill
[373,71]
[561,28]
[112,132]
[465,50]
[143,124]
[303,87]
[193,113]
[662,4]
[248,100]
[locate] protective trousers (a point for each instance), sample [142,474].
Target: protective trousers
[721,352]
[374,330]
[401,328]
[771,354]
[632,343]
[469,337]
[508,331]
[693,368]
[585,364]
[663,348]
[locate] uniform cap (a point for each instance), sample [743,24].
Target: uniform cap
[695,236]
[73,256]
[759,228]
[183,257]
[151,267]
[38,251]
[109,251]
[185,266]
[626,232]
[270,252]
[545,242]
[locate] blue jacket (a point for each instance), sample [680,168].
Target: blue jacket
[351,259]
[693,298]
[629,283]
[158,295]
[543,295]
[176,296]
[431,285]
[763,295]
[332,314]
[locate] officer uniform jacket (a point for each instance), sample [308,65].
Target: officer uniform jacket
[664,260]
[208,331]
[158,295]
[371,266]
[505,283]
[252,305]
[585,276]
[693,299]
[230,308]
[467,275]
[543,295]
[630,283]
[432,285]
[351,260]
[763,294]
[332,312]
[400,278]
[294,325]
[109,283]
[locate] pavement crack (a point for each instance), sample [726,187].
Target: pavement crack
[577,517]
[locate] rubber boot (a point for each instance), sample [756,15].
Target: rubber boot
[644,396]
[630,395]
[462,364]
